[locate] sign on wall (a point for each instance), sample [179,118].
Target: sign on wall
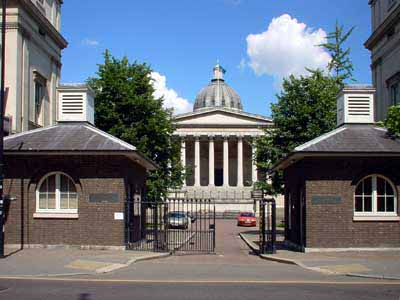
[118,216]
[318,200]
[104,198]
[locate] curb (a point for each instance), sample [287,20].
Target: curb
[249,244]
[316,269]
[115,267]
[373,276]
[48,275]
[285,260]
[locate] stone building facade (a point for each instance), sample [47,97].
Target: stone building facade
[33,63]
[218,146]
[384,44]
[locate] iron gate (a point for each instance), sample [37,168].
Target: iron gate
[267,226]
[174,225]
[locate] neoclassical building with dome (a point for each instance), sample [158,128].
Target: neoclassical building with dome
[218,146]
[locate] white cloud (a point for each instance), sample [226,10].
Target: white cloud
[242,65]
[287,47]
[90,42]
[171,98]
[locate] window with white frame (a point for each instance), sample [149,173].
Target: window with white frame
[375,195]
[56,193]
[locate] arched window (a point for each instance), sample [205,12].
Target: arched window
[375,195]
[57,193]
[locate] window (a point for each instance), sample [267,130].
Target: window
[393,85]
[395,93]
[39,95]
[56,193]
[375,195]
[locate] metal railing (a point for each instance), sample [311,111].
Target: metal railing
[173,225]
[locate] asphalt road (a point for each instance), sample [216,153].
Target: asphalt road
[61,290]
[232,273]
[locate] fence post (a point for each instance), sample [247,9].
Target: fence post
[262,214]
[273,226]
[155,226]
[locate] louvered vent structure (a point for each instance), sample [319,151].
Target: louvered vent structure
[355,104]
[75,103]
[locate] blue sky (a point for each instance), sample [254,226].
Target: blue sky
[182,39]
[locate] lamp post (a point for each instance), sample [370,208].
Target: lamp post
[2,95]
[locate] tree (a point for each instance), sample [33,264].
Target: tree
[125,107]
[306,108]
[392,122]
[340,66]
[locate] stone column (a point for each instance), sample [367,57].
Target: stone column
[211,181]
[253,164]
[226,162]
[240,162]
[183,158]
[197,161]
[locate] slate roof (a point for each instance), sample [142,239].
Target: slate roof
[353,138]
[348,139]
[70,137]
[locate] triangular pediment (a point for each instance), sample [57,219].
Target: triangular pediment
[221,117]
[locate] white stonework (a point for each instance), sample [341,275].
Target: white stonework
[33,56]
[385,54]
[217,148]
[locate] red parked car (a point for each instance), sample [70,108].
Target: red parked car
[246,219]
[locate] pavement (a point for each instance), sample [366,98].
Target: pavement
[233,261]
[68,262]
[233,272]
[367,264]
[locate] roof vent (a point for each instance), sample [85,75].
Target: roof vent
[355,104]
[76,103]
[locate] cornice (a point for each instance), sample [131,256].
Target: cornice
[44,23]
[226,111]
[255,126]
[218,135]
[382,29]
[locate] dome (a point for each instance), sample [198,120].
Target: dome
[218,93]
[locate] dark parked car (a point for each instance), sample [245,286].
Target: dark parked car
[178,219]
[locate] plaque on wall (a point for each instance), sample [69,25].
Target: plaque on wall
[104,198]
[317,200]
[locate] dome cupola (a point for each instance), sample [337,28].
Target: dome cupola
[217,93]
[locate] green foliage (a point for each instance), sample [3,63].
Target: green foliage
[340,65]
[392,122]
[125,107]
[306,108]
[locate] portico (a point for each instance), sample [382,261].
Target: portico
[218,146]
[218,160]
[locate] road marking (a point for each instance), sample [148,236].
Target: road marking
[266,282]
[87,265]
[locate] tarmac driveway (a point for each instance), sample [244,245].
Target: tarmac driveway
[229,244]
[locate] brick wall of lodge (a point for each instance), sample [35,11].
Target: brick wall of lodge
[92,174]
[332,225]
